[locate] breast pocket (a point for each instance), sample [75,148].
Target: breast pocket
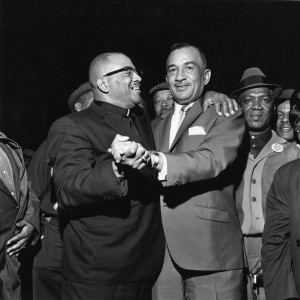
[213,214]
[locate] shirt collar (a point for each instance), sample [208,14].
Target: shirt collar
[119,110]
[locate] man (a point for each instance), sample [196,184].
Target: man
[81,98]
[198,210]
[19,222]
[162,98]
[283,105]
[265,152]
[280,250]
[113,241]
[46,272]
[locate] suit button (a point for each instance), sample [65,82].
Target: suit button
[253,199]
[253,181]
[298,243]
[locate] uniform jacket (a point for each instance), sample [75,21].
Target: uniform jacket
[198,211]
[114,233]
[281,236]
[257,178]
[12,210]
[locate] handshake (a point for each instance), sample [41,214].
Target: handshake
[132,154]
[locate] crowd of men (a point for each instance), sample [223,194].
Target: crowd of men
[201,202]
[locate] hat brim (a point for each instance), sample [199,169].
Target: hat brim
[277,89]
[84,88]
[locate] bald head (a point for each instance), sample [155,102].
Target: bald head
[114,79]
[98,67]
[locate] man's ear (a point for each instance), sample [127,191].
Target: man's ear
[102,85]
[166,77]
[207,74]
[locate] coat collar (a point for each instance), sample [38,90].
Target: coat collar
[268,149]
[112,114]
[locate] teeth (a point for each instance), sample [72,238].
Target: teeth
[135,87]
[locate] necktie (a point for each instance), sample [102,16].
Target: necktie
[178,117]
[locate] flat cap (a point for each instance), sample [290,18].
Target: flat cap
[160,87]
[81,90]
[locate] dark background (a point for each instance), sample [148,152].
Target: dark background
[47,46]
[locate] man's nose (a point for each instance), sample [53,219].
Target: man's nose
[164,104]
[285,118]
[180,75]
[136,77]
[256,104]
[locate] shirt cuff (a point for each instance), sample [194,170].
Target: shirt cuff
[164,170]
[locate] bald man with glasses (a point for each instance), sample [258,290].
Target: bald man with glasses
[113,243]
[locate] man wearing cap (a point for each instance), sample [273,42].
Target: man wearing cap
[81,98]
[263,153]
[46,272]
[283,106]
[162,98]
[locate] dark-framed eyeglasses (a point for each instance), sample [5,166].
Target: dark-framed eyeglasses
[129,70]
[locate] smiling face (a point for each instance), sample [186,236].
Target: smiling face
[257,105]
[283,125]
[186,74]
[123,88]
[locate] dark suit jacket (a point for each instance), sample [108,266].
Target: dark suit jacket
[281,236]
[114,232]
[198,211]
[39,173]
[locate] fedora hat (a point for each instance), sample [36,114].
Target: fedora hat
[81,90]
[253,78]
[285,95]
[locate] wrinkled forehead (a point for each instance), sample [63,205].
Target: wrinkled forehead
[256,92]
[183,56]
[284,106]
[117,61]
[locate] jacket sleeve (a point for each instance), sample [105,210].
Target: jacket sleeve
[276,251]
[219,149]
[78,170]
[39,171]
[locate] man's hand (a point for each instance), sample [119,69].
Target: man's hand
[129,153]
[20,240]
[223,104]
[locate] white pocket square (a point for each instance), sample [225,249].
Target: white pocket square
[197,130]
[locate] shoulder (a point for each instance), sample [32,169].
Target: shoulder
[211,112]
[70,121]
[290,167]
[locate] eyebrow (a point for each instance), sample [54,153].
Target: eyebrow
[186,63]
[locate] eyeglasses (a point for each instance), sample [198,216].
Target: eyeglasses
[129,70]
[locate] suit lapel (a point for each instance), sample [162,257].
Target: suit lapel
[164,131]
[190,117]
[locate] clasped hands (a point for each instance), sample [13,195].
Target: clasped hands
[129,153]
